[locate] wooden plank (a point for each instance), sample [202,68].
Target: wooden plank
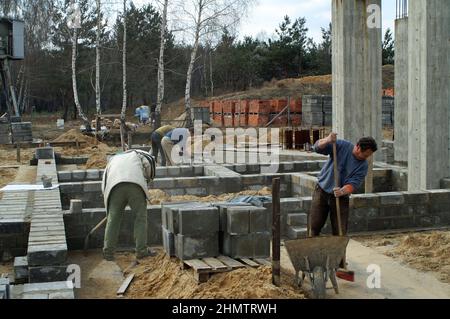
[125,285]
[198,265]
[264,262]
[250,262]
[216,264]
[231,262]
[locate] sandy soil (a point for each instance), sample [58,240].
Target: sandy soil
[6,268]
[428,252]
[158,196]
[161,277]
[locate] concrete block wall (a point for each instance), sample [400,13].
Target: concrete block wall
[78,225]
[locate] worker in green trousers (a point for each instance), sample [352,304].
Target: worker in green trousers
[125,182]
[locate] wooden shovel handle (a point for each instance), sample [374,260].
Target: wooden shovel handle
[337,184]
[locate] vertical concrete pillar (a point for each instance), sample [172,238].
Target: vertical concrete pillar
[401,91]
[357,61]
[429,93]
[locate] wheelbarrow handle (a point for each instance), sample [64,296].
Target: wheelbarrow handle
[337,184]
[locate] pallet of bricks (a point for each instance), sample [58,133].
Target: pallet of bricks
[216,238]
[259,113]
[217,107]
[241,113]
[294,112]
[229,108]
[5,131]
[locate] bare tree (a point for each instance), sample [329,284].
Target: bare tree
[124,83]
[161,70]
[207,17]
[97,61]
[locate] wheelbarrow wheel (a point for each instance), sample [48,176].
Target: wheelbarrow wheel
[319,283]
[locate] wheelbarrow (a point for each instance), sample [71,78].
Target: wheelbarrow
[319,257]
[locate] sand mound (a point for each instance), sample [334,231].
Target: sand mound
[161,277]
[158,196]
[75,135]
[426,252]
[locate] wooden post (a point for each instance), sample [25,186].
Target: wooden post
[276,230]
[289,112]
[130,140]
[369,178]
[122,137]
[77,144]
[18,152]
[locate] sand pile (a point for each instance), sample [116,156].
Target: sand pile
[75,135]
[158,196]
[161,277]
[426,252]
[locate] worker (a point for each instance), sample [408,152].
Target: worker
[178,136]
[353,168]
[125,183]
[143,114]
[157,137]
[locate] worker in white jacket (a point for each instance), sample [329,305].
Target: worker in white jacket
[125,182]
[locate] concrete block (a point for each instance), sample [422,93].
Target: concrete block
[262,243]
[186,182]
[296,232]
[238,246]
[68,295]
[365,200]
[174,171]
[197,247]
[76,206]
[48,274]
[208,181]
[92,174]
[291,204]
[393,211]
[92,187]
[259,220]
[21,270]
[441,196]
[78,175]
[44,255]
[240,168]
[198,170]
[297,219]
[45,153]
[394,198]
[163,183]
[64,177]
[168,242]
[238,221]
[197,221]
[197,191]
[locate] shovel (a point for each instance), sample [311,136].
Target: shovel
[344,274]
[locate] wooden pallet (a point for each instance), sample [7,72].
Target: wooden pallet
[204,268]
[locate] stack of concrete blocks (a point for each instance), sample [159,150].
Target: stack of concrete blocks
[388,152]
[41,291]
[388,111]
[190,230]
[246,232]
[312,110]
[5,131]
[5,289]
[327,107]
[21,132]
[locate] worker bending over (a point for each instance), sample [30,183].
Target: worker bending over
[178,136]
[125,182]
[157,137]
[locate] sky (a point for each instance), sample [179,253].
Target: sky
[266,15]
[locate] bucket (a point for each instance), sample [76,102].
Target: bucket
[47,181]
[60,124]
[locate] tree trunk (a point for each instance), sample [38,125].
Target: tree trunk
[161,84]
[74,80]
[97,62]
[187,98]
[124,83]
[211,79]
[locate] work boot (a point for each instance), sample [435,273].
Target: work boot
[147,253]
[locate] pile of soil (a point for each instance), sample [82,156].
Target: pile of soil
[158,197]
[161,277]
[75,135]
[429,251]
[6,177]
[8,155]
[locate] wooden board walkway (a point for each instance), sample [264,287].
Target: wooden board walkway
[204,268]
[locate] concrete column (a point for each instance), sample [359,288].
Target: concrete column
[401,91]
[429,93]
[357,61]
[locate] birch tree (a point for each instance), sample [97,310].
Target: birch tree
[97,61]
[205,17]
[161,84]
[75,24]
[124,80]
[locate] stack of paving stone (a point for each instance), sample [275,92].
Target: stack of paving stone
[5,130]
[246,232]
[21,132]
[388,110]
[190,230]
[4,289]
[327,107]
[312,110]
